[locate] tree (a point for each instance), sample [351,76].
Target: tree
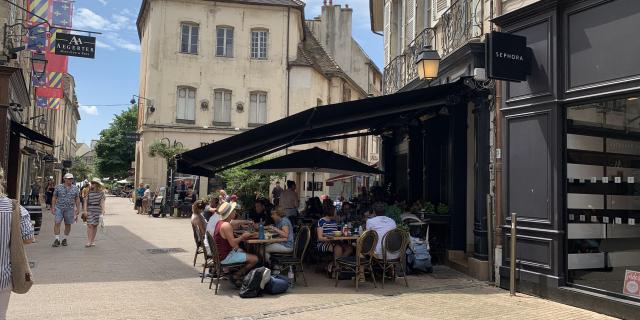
[247,184]
[114,151]
[80,169]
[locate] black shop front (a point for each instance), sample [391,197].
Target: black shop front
[571,154]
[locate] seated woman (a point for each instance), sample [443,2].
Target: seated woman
[228,245]
[284,229]
[326,226]
[197,220]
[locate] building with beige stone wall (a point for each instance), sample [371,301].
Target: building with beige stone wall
[211,69]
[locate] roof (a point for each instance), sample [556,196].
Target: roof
[311,53]
[324,123]
[283,3]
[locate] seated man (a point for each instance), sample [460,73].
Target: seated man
[381,224]
[228,245]
[260,213]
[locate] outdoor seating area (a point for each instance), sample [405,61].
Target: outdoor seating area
[346,251]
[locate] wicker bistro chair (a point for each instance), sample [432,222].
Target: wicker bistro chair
[199,240]
[300,245]
[365,246]
[395,241]
[215,264]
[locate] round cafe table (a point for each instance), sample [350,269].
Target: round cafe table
[335,240]
[262,243]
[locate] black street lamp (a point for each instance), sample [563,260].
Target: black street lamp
[38,65]
[428,63]
[150,106]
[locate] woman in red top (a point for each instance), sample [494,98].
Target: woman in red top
[228,245]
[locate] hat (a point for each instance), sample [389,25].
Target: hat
[68,176]
[225,209]
[97,181]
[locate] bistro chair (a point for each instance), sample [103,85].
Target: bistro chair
[358,263]
[215,265]
[394,242]
[197,237]
[303,237]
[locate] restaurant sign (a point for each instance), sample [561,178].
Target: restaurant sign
[508,57]
[75,45]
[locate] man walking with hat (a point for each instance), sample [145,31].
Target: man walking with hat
[65,205]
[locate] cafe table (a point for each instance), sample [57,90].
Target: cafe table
[333,240]
[262,243]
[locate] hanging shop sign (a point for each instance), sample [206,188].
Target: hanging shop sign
[133,136]
[508,57]
[75,45]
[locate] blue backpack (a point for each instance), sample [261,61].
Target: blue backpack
[418,257]
[277,285]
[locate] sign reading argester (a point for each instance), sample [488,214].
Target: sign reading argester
[507,57]
[75,45]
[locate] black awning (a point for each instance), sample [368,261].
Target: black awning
[30,134]
[320,123]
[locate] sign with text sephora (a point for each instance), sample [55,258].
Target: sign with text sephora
[75,45]
[507,57]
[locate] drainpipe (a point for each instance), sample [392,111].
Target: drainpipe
[499,217]
[286,150]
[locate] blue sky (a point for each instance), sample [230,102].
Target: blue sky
[112,77]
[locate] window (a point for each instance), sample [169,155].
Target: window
[258,108]
[186,107]
[259,44]
[222,107]
[189,38]
[346,93]
[224,41]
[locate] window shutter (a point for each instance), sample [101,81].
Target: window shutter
[439,7]
[217,106]
[227,106]
[180,110]
[387,32]
[262,108]
[410,18]
[190,112]
[253,108]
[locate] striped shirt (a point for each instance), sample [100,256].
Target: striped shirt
[328,226]
[6,210]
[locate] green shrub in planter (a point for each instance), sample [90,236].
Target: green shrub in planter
[442,208]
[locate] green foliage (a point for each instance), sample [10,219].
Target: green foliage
[442,208]
[114,151]
[394,212]
[80,169]
[248,184]
[429,208]
[159,149]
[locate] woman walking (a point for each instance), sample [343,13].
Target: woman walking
[93,209]
[26,230]
[49,193]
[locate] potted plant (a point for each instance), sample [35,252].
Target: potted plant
[429,208]
[442,208]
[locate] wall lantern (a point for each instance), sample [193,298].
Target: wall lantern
[38,65]
[428,62]
[150,107]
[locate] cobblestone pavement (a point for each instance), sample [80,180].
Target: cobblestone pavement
[123,277]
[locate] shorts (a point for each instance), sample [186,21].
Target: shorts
[65,214]
[234,257]
[324,246]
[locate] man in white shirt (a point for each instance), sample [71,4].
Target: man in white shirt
[381,224]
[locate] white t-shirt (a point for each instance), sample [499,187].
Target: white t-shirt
[381,225]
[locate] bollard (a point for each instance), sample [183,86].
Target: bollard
[512,280]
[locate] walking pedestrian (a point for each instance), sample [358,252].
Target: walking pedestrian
[139,195]
[276,193]
[65,205]
[289,200]
[35,193]
[26,230]
[49,193]
[146,198]
[93,210]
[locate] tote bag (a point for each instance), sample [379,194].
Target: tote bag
[21,276]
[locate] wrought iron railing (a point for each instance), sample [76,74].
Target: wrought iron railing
[458,25]
[402,69]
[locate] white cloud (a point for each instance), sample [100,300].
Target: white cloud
[101,44]
[87,19]
[90,110]
[119,42]
[104,2]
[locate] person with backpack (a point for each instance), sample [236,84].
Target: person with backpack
[228,245]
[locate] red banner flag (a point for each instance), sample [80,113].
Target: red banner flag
[49,92]
[56,63]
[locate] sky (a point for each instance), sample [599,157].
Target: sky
[106,84]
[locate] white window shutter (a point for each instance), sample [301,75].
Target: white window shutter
[387,32]
[439,7]
[190,113]
[410,18]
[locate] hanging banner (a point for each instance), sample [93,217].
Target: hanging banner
[75,45]
[61,12]
[39,8]
[46,92]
